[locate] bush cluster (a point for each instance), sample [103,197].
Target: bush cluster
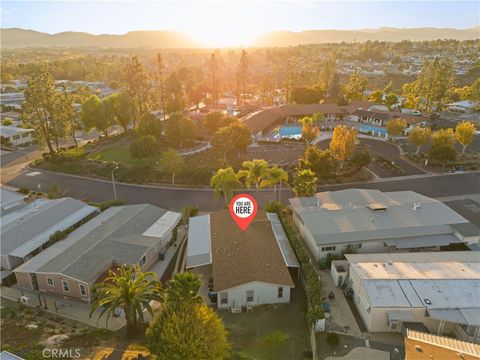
[313,285]
[387,164]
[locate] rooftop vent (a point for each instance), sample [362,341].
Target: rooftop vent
[377,207]
[416,205]
[427,301]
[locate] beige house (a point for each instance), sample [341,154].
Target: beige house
[242,268]
[131,235]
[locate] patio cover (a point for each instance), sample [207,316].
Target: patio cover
[423,241]
[283,242]
[199,244]
[458,316]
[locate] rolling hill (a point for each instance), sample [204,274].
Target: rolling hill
[21,38]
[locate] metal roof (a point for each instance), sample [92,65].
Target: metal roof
[199,244]
[10,198]
[33,229]
[283,242]
[459,316]
[466,229]
[163,225]
[344,216]
[5,355]
[7,131]
[423,241]
[114,235]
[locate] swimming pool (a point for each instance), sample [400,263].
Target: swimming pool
[289,130]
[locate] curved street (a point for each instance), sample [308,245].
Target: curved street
[175,198]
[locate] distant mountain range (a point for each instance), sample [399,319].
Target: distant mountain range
[21,38]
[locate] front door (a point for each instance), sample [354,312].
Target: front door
[33,279]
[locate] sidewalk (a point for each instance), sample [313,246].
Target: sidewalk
[71,309]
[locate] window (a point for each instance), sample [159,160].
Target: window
[83,290]
[142,261]
[223,298]
[249,295]
[50,281]
[329,248]
[280,292]
[66,287]
[16,137]
[359,246]
[25,135]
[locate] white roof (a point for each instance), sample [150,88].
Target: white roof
[283,242]
[437,280]
[163,225]
[463,103]
[10,198]
[356,215]
[7,131]
[199,244]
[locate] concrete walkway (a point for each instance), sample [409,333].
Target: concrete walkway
[161,266]
[71,309]
[362,353]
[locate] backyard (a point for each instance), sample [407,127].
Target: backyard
[275,332]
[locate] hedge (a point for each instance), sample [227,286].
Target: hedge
[313,285]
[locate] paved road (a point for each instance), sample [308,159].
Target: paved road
[170,198]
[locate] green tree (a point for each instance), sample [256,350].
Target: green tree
[161,84]
[376,97]
[184,327]
[179,130]
[143,147]
[138,86]
[390,100]
[276,175]
[309,130]
[66,113]
[396,127]
[39,108]
[465,133]
[254,171]
[361,159]
[216,120]
[320,162]
[342,144]
[150,125]
[442,153]
[443,137]
[98,114]
[306,95]
[418,136]
[124,108]
[305,183]
[171,162]
[129,289]
[225,182]
[213,67]
[355,86]
[234,137]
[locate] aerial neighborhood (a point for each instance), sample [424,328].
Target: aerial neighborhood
[313,195]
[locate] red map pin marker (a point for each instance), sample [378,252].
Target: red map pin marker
[243,209]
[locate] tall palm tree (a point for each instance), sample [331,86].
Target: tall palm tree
[275,176]
[225,182]
[130,289]
[254,172]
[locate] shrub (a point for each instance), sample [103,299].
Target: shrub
[7,122]
[188,212]
[24,191]
[274,339]
[54,192]
[143,147]
[57,236]
[333,339]
[273,207]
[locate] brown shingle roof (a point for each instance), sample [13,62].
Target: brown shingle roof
[240,257]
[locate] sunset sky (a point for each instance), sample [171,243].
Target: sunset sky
[219,23]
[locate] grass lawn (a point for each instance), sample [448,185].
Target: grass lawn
[121,154]
[278,332]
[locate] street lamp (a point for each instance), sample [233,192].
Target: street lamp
[113,184]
